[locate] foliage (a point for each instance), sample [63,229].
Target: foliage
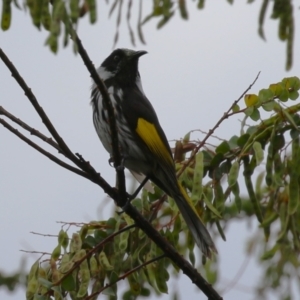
[57,16]
[102,253]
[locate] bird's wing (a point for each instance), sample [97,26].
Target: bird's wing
[142,119]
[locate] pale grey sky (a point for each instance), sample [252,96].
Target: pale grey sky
[194,70]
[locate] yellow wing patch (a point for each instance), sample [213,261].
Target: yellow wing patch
[152,139]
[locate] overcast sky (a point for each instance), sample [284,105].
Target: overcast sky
[195,69]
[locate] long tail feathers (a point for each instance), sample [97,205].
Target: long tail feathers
[194,223]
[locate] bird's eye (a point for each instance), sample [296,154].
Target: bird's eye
[116,58]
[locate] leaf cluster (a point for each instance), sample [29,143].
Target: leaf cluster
[57,16]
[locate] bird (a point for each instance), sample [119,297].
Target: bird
[143,144]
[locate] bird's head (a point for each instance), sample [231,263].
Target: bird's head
[121,66]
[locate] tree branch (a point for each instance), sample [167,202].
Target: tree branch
[121,201]
[31,97]
[120,195]
[211,131]
[30,129]
[44,152]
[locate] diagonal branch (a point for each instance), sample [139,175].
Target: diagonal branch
[44,152]
[111,116]
[32,131]
[31,97]
[120,195]
[211,131]
[85,166]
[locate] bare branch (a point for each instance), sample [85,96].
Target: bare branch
[31,97]
[44,152]
[30,129]
[111,116]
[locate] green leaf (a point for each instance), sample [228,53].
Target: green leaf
[186,138]
[46,283]
[233,173]
[161,278]
[249,110]
[278,142]
[259,152]
[6,14]
[268,106]
[134,283]
[233,142]
[104,261]
[265,95]
[74,10]
[223,147]
[34,270]
[123,244]
[295,83]
[68,283]
[211,207]
[289,118]
[76,243]
[46,17]
[217,159]
[283,96]
[236,192]
[255,115]
[200,4]
[293,95]
[183,9]
[276,88]
[164,20]
[145,292]
[243,139]
[294,133]
[269,220]
[85,277]
[92,10]
[252,129]
[235,108]
[270,253]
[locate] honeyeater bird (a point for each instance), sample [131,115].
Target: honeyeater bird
[143,144]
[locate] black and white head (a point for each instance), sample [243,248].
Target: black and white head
[121,67]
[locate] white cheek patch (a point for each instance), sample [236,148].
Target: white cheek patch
[104,74]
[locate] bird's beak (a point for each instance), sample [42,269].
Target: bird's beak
[138,54]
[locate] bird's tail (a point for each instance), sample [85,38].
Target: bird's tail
[194,223]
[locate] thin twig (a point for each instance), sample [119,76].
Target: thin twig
[44,152]
[43,234]
[35,252]
[32,131]
[211,131]
[31,97]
